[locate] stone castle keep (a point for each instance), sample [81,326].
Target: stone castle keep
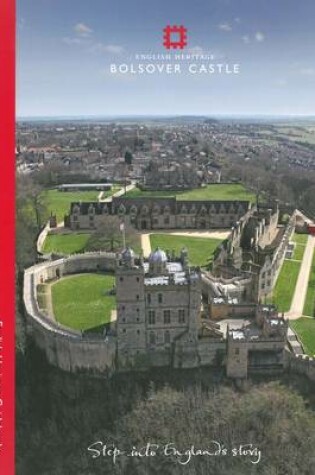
[158,307]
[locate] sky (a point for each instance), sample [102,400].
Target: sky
[65,49]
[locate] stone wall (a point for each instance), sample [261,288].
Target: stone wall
[301,364]
[67,348]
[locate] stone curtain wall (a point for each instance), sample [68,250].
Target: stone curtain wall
[64,347]
[301,364]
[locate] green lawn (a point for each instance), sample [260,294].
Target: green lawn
[58,202]
[305,328]
[65,243]
[285,285]
[309,304]
[199,249]
[80,302]
[216,192]
[300,240]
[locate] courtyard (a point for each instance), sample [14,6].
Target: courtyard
[200,249]
[82,302]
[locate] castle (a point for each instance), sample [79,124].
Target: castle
[256,246]
[169,313]
[161,321]
[158,306]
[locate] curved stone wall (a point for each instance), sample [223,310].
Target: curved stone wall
[67,348]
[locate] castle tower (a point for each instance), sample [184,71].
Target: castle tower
[237,354]
[131,337]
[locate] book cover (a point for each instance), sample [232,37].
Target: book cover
[157,245]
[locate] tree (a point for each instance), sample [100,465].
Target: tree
[109,236]
[128,157]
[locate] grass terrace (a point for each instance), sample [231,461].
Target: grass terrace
[305,328]
[309,304]
[215,192]
[285,285]
[58,202]
[81,302]
[66,243]
[300,240]
[199,249]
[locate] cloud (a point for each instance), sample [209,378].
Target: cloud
[82,30]
[102,48]
[281,82]
[73,40]
[246,39]
[225,27]
[307,71]
[259,36]
[237,20]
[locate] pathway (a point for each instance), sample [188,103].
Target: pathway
[146,244]
[118,193]
[297,305]
[216,234]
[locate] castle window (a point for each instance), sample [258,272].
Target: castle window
[138,279]
[167,337]
[151,317]
[160,298]
[137,297]
[237,351]
[149,298]
[124,330]
[167,220]
[138,332]
[167,316]
[152,338]
[121,279]
[181,316]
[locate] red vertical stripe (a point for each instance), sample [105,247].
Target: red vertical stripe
[7,247]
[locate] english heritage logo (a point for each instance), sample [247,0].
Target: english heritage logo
[175,37]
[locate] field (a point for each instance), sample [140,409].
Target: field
[305,328]
[199,249]
[80,302]
[58,202]
[215,192]
[309,304]
[285,285]
[298,134]
[65,243]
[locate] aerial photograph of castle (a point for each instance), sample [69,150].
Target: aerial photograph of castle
[165,250]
